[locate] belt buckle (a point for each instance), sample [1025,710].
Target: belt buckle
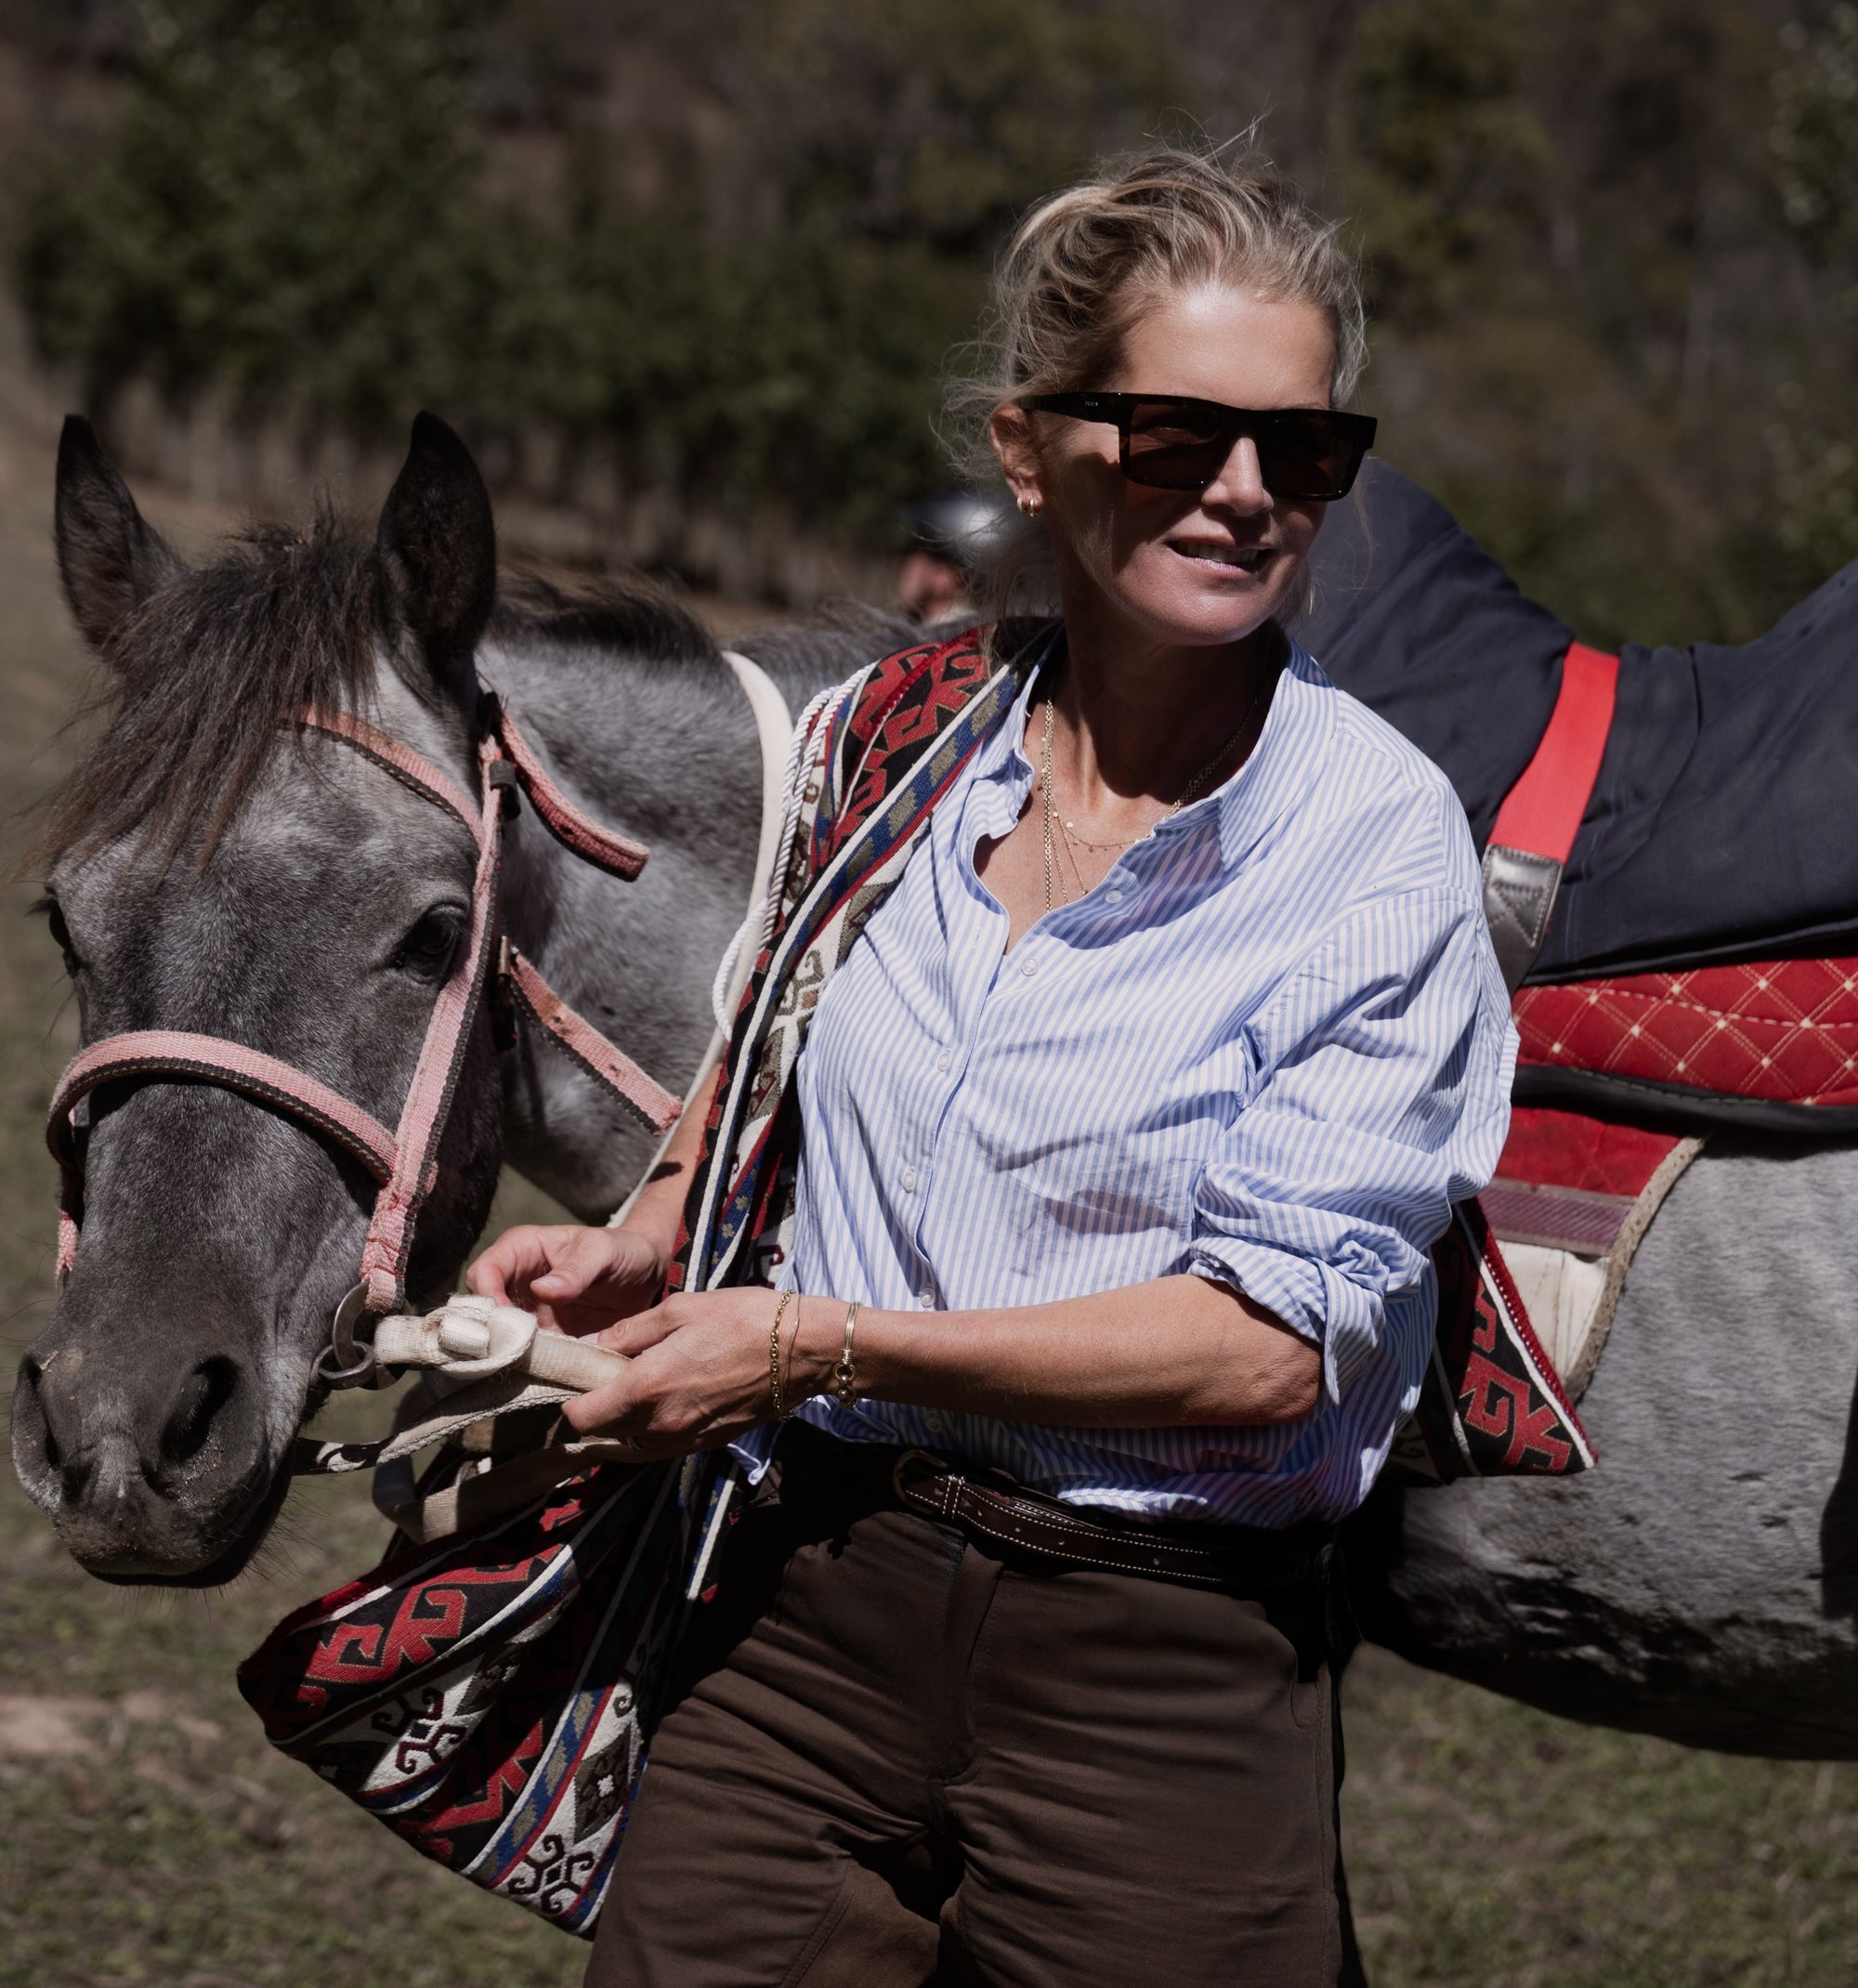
[937,1467]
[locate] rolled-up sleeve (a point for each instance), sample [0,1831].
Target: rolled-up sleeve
[1383,1096]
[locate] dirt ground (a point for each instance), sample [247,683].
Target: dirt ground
[147,1835]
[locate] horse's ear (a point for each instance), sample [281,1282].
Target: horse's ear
[438,548]
[109,558]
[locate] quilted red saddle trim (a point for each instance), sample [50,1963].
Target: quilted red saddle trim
[1785,1031]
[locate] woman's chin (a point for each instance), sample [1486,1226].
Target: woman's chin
[1207,617]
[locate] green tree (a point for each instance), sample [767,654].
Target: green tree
[289,207]
[293,208]
[1814,139]
[1586,300]
[1815,133]
[936,121]
[777,327]
[1446,164]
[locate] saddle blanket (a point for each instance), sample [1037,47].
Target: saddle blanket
[1617,1083]
[1771,1045]
[1712,831]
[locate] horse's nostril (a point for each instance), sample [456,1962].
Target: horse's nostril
[211,1386]
[30,1418]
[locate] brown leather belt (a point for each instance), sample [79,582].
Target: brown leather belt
[1251,1560]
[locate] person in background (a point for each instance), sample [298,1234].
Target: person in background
[952,536]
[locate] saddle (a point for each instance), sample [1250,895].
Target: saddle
[1619,1080]
[1679,934]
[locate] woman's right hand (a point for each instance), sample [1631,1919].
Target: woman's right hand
[575,1280]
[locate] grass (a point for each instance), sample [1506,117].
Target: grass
[147,1835]
[1492,1844]
[164,1843]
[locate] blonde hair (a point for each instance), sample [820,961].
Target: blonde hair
[1085,264]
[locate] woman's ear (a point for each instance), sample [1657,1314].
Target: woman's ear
[1016,445]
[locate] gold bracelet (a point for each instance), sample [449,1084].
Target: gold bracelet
[781,1411]
[845,1376]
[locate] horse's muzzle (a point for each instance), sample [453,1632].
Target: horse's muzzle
[182,1504]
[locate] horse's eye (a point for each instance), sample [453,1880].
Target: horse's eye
[59,930]
[429,949]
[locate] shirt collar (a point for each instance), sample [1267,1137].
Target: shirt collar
[1006,755]
[1283,765]
[1278,773]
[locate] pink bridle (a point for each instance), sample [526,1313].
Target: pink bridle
[402,1161]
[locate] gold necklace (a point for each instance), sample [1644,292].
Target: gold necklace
[1083,842]
[1195,783]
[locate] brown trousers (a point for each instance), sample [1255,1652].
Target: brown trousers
[901,1759]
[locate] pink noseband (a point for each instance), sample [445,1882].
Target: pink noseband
[403,1160]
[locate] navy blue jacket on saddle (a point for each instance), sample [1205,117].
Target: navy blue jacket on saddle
[1719,825]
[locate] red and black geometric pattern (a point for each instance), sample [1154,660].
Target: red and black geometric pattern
[902,736]
[489,1697]
[906,702]
[1491,1404]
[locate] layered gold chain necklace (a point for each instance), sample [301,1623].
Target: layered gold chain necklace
[1198,780]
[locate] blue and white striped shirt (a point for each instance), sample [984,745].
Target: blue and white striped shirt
[1270,1048]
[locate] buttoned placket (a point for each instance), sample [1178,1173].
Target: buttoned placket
[916,1175]
[966,1099]
[997,803]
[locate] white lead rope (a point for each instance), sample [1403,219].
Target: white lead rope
[480,1361]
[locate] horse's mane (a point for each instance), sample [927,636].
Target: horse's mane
[627,614]
[203,677]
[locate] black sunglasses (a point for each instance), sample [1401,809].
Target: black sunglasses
[1170,443]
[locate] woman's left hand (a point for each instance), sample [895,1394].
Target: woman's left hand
[700,1372]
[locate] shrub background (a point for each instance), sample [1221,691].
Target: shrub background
[721,252]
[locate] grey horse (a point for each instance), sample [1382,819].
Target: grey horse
[213,875]
[216,871]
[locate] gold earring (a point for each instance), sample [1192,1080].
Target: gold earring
[1031,505]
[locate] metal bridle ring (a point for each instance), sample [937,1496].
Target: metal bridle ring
[354,1365]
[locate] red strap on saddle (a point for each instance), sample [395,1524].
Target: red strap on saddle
[1542,813]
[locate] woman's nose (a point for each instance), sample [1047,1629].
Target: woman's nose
[1240,482]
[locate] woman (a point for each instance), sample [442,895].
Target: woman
[1123,1130]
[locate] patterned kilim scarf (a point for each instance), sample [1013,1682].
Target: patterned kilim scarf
[489,1696]
[873,764]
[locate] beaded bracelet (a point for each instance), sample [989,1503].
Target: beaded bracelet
[781,1410]
[844,1382]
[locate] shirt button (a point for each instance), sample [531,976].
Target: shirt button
[910,1180]
[1113,897]
[926,1299]
[1029,967]
[944,1059]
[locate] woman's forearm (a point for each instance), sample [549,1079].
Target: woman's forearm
[1174,1352]
[658,1209]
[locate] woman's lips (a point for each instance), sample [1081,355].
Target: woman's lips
[1226,558]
